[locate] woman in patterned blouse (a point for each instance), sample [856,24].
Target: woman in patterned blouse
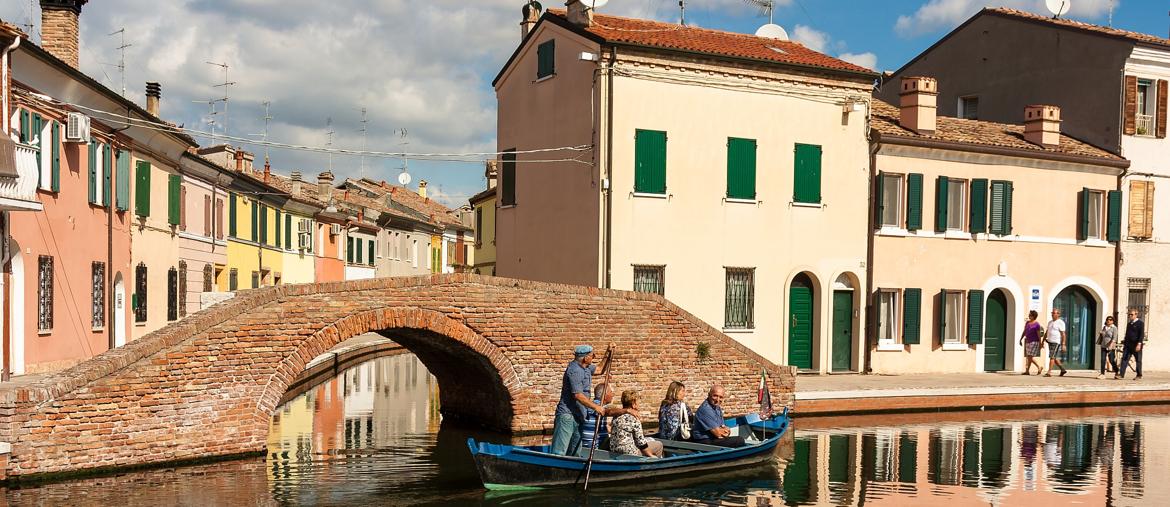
[625,432]
[671,413]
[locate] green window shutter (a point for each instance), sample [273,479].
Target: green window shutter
[288,231]
[546,58]
[1007,208]
[55,168]
[879,204]
[370,259]
[996,219]
[940,204]
[1083,214]
[232,215]
[912,316]
[25,126]
[107,174]
[913,202]
[807,177]
[278,235]
[974,316]
[142,189]
[255,206]
[508,179]
[942,315]
[978,205]
[650,161]
[93,182]
[263,224]
[1113,227]
[123,199]
[349,249]
[741,168]
[174,194]
[37,123]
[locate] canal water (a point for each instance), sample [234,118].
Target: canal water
[373,436]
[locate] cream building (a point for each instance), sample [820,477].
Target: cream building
[976,223]
[723,170]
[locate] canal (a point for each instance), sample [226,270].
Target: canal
[373,436]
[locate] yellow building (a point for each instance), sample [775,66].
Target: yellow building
[484,204]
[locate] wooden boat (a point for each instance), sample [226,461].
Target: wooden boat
[511,467]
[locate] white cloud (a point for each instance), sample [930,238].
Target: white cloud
[937,15]
[819,41]
[812,38]
[867,59]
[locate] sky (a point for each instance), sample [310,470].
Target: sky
[425,66]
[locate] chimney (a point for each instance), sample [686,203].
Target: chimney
[296,181]
[1042,125]
[239,161]
[59,27]
[530,13]
[248,158]
[422,188]
[267,170]
[325,186]
[578,13]
[919,104]
[490,172]
[153,93]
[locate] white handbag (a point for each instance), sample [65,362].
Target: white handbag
[684,429]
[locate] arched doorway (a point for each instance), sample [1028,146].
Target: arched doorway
[995,332]
[1079,309]
[119,311]
[800,322]
[842,341]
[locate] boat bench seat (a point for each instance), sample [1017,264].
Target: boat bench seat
[690,446]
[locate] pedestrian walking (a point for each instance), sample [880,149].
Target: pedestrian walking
[1107,341]
[1030,339]
[1055,336]
[1135,336]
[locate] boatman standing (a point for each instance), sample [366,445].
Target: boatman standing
[575,388]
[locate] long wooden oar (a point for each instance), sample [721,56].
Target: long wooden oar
[600,415]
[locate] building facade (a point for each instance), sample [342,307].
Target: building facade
[484,206]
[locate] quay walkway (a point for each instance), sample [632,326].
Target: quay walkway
[851,394]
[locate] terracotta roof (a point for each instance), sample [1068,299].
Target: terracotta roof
[1079,25]
[437,213]
[978,132]
[657,34]
[308,193]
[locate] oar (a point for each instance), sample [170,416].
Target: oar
[600,416]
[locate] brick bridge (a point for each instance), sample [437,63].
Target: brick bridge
[208,385]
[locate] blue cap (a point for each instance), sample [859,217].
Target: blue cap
[582,350]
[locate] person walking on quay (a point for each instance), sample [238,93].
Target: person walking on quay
[1135,334]
[576,385]
[1030,339]
[1107,341]
[1055,337]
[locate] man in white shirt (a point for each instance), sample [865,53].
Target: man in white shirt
[1055,336]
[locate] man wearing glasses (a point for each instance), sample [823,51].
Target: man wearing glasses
[1135,333]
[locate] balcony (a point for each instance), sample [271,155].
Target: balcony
[20,193]
[1145,125]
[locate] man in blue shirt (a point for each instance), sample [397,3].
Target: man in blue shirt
[576,385]
[1135,335]
[709,428]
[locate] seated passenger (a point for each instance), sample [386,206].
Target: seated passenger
[625,432]
[591,422]
[674,417]
[709,427]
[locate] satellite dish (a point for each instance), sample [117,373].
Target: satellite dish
[1058,8]
[772,31]
[404,179]
[593,4]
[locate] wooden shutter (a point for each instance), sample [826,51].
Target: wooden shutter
[182,208]
[741,168]
[1113,216]
[807,180]
[879,202]
[508,179]
[1160,128]
[995,215]
[1141,209]
[348,249]
[940,204]
[914,202]
[55,168]
[1007,207]
[974,316]
[288,231]
[941,307]
[219,218]
[37,123]
[25,126]
[370,259]
[255,207]
[278,238]
[263,224]
[122,200]
[546,58]
[93,177]
[1083,214]
[912,316]
[207,216]
[174,195]
[232,215]
[142,189]
[650,162]
[1130,121]
[978,205]
[107,174]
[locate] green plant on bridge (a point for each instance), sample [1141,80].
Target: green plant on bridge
[703,350]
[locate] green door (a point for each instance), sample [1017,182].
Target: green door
[842,330]
[1079,311]
[800,312]
[995,332]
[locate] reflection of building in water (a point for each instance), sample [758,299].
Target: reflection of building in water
[1029,463]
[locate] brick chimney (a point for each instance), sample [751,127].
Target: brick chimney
[578,13]
[297,184]
[422,188]
[267,170]
[240,161]
[153,94]
[918,104]
[529,15]
[1042,125]
[59,28]
[325,186]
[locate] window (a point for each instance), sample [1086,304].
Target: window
[277,235]
[255,207]
[739,307]
[1001,208]
[98,193]
[181,298]
[208,277]
[1141,209]
[969,107]
[98,311]
[263,224]
[123,198]
[508,178]
[357,250]
[451,260]
[175,200]
[139,302]
[888,317]
[1146,102]
[218,218]
[1139,297]
[392,245]
[649,162]
[372,245]
[45,293]
[142,189]
[890,211]
[957,205]
[807,174]
[232,215]
[478,226]
[1093,213]
[414,253]
[546,58]
[650,279]
[741,168]
[233,279]
[953,315]
[172,294]
[255,279]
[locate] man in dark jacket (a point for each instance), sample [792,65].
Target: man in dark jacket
[1135,333]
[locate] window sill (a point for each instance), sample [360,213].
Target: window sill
[893,231]
[649,195]
[741,201]
[139,324]
[507,206]
[545,78]
[955,346]
[98,329]
[891,347]
[1095,243]
[44,332]
[738,330]
[816,205]
[952,234]
[997,237]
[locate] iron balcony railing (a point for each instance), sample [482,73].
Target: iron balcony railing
[20,193]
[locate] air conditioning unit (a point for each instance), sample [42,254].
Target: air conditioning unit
[334,229]
[77,128]
[303,226]
[303,241]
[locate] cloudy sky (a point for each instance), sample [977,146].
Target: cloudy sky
[426,65]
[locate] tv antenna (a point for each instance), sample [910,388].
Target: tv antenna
[329,140]
[1058,8]
[264,135]
[225,84]
[682,12]
[210,118]
[770,30]
[404,176]
[365,141]
[122,59]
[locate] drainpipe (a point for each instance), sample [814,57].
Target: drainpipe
[5,371]
[867,350]
[1117,255]
[609,170]
[4,79]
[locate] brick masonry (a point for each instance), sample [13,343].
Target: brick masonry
[59,33]
[207,385]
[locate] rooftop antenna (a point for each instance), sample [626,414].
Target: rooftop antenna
[210,119]
[122,59]
[28,17]
[365,141]
[1111,6]
[404,177]
[1058,8]
[769,30]
[225,84]
[682,12]
[264,135]
[329,140]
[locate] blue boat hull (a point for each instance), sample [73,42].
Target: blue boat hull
[515,467]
